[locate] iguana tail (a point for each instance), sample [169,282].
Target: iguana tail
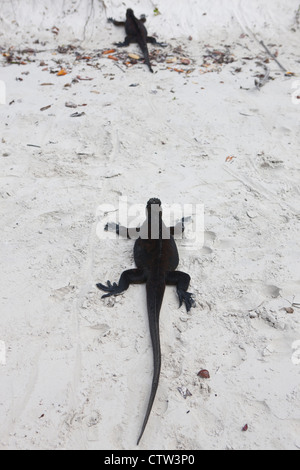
[145,51]
[155,296]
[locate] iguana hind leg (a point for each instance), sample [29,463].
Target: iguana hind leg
[152,40]
[181,281]
[128,40]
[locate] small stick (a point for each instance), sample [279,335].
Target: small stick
[119,67]
[272,55]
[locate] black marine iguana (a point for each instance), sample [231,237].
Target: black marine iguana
[136,32]
[156,258]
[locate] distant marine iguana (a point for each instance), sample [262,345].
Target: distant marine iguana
[136,32]
[156,258]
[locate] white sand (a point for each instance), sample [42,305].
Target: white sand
[77,370]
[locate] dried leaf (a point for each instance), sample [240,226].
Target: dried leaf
[62,72]
[69,104]
[78,114]
[171,60]
[45,108]
[110,51]
[83,78]
[112,57]
[185,61]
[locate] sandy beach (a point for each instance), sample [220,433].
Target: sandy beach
[84,125]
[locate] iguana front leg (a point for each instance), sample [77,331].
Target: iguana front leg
[121,230]
[132,276]
[179,228]
[115,22]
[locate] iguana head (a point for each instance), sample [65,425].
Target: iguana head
[129,12]
[154,201]
[153,208]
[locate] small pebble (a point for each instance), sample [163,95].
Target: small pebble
[289,310]
[252,214]
[134,56]
[204,374]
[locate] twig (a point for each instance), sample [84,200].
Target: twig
[297,19]
[120,67]
[272,55]
[88,19]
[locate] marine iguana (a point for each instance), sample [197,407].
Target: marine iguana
[136,32]
[156,258]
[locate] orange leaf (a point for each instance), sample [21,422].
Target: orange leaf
[62,72]
[112,57]
[110,51]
